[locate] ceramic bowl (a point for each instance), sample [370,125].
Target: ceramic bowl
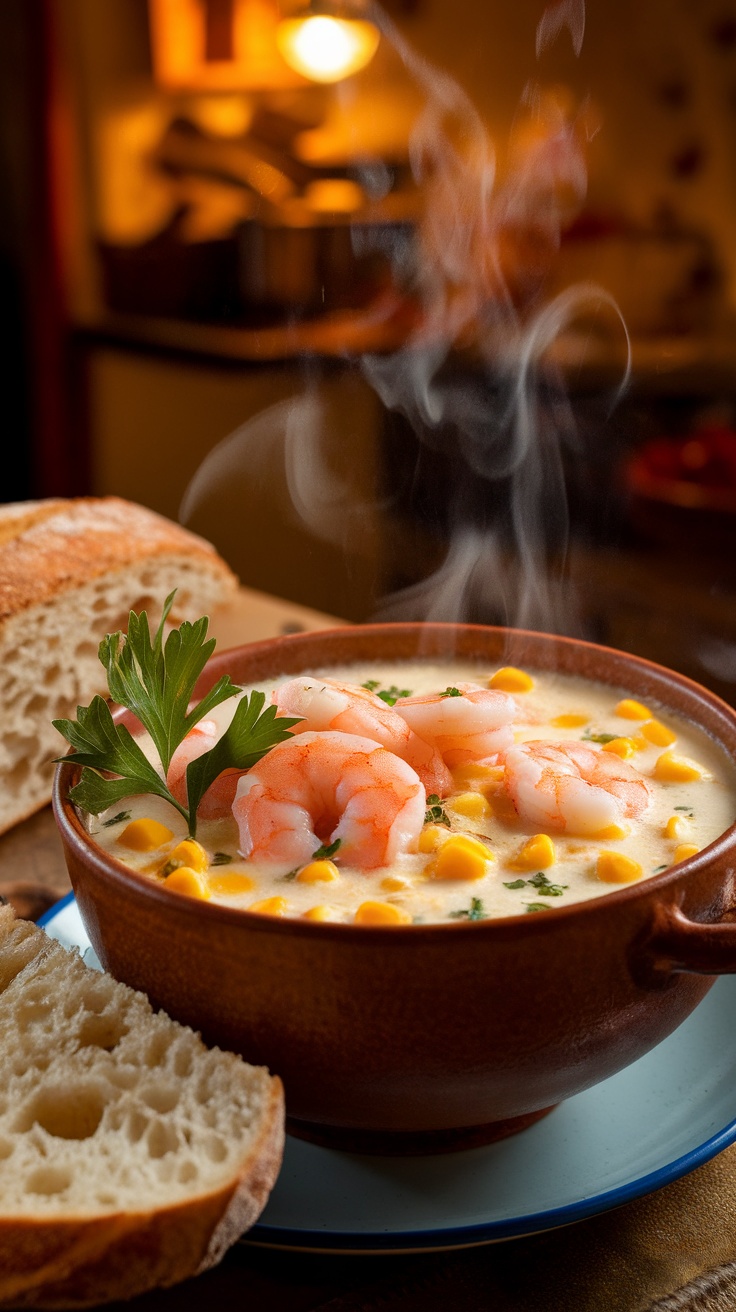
[437,1036]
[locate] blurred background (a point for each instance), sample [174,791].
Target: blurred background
[297,274]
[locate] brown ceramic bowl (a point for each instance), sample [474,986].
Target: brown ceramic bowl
[431,1036]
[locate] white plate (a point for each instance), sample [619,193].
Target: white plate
[661,1117]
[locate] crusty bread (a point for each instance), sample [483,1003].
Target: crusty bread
[131,1156]
[70,572]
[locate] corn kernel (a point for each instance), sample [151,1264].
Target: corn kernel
[673,769]
[392,884]
[472,775]
[614,832]
[231,882]
[656,732]
[570,721]
[473,805]
[431,837]
[381,913]
[622,747]
[319,913]
[615,868]
[269,906]
[145,835]
[509,679]
[461,857]
[189,853]
[677,828]
[318,872]
[191,882]
[628,709]
[536,854]
[684,851]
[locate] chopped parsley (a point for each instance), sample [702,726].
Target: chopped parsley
[658,869]
[388,695]
[451,692]
[435,813]
[601,738]
[327,850]
[171,865]
[542,885]
[290,874]
[221,859]
[537,906]
[688,810]
[116,819]
[473,912]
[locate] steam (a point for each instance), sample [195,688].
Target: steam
[475,379]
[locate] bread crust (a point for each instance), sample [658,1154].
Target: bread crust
[85,1261]
[48,548]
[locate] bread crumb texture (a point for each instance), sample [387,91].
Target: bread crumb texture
[71,572]
[131,1155]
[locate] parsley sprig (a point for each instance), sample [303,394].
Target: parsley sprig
[156,680]
[388,695]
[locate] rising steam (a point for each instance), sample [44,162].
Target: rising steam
[484,248]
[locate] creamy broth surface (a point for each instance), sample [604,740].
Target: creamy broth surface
[684,815]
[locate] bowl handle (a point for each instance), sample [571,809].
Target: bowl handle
[677,944]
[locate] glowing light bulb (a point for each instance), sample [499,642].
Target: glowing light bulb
[327,49]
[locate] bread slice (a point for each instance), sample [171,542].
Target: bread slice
[131,1156]
[70,572]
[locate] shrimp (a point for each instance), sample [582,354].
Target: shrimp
[466,724]
[571,786]
[218,799]
[347,708]
[321,787]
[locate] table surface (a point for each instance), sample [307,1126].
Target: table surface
[617,1262]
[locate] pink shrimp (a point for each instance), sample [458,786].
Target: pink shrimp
[320,787]
[571,786]
[347,708]
[218,799]
[467,723]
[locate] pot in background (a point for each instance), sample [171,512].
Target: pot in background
[427,1037]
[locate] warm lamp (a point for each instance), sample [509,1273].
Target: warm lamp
[327,44]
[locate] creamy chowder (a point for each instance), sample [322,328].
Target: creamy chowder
[571,790]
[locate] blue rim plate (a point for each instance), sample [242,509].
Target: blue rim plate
[653,1122]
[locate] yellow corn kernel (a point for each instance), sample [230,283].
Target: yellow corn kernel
[189,853]
[431,837]
[186,880]
[684,851]
[473,805]
[677,828]
[461,857]
[269,906]
[145,835]
[615,868]
[381,913]
[393,884]
[319,913]
[318,872]
[231,882]
[622,747]
[613,832]
[656,732]
[509,679]
[628,709]
[671,769]
[536,854]
[476,777]
[570,721]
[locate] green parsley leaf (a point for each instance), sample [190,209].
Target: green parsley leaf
[116,819]
[537,906]
[542,884]
[451,692]
[658,869]
[221,859]
[290,874]
[388,695]
[435,813]
[156,680]
[371,684]
[474,912]
[687,809]
[602,738]
[515,883]
[327,851]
